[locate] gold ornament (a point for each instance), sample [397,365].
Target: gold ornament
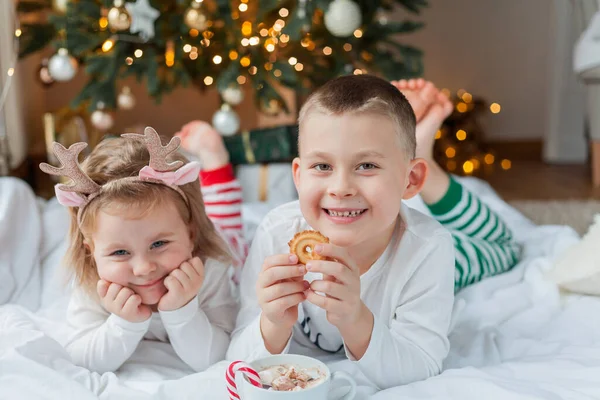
[118,17]
[126,100]
[43,73]
[195,17]
[272,107]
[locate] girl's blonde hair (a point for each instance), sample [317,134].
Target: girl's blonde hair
[117,158]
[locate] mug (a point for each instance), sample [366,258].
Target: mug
[317,392]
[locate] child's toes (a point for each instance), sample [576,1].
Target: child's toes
[429,92]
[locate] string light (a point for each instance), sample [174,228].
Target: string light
[277,73]
[264,32]
[194,32]
[187,48]
[245,61]
[245,42]
[299,67]
[467,97]
[358,33]
[489,159]
[284,38]
[233,55]
[450,152]
[461,135]
[438,134]
[347,47]
[107,45]
[193,55]
[247,28]
[506,164]
[208,80]
[252,70]
[254,40]
[243,7]
[241,79]
[495,108]
[170,54]
[327,50]
[284,12]
[103,23]
[10,71]
[460,92]
[138,53]
[18,32]
[129,61]
[461,107]
[217,59]
[357,71]
[293,60]
[468,167]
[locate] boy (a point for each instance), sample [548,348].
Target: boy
[386,298]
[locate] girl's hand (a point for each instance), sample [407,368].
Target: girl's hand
[122,301]
[183,284]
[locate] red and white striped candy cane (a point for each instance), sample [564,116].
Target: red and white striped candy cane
[247,370]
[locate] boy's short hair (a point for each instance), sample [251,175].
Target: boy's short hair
[365,94]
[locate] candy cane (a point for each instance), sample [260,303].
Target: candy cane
[247,370]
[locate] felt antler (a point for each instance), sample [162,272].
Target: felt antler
[158,152]
[81,183]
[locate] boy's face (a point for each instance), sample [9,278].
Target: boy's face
[352,175]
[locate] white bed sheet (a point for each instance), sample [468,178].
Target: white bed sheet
[514,336]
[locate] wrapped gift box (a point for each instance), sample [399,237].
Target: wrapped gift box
[265,145]
[270,183]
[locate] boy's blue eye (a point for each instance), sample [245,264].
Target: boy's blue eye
[158,244]
[322,167]
[367,166]
[119,253]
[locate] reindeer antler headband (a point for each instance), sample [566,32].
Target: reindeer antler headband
[83,189]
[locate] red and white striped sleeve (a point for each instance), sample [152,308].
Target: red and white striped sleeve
[222,194]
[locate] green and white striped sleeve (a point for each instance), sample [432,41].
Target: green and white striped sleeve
[484,244]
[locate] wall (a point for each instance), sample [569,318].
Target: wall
[494,49]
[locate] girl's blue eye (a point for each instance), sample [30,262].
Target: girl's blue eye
[158,244]
[119,253]
[322,167]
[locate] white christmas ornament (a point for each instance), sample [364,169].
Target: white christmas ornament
[233,95]
[226,121]
[62,66]
[142,18]
[60,5]
[101,119]
[343,17]
[125,100]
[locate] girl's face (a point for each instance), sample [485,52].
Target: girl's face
[140,252]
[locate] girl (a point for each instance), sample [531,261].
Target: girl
[148,262]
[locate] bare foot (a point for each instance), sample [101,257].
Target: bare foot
[429,125]
[201,139]
[419,93]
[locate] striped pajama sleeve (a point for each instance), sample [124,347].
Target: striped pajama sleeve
[484,244]
[222,195]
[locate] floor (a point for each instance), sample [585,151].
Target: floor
[534,180]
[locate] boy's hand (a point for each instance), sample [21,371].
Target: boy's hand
[122,301]
[280,288]
[341,285]
[183,284]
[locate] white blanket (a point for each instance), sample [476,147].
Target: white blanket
[513,337]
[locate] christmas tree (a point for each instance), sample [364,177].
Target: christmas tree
[298,44]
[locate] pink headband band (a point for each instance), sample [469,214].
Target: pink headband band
[83,189]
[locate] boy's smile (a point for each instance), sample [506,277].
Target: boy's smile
[351,176]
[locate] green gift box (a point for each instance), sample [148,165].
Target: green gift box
[263,146]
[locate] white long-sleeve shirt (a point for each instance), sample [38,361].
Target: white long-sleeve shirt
[198,332]
[409,290]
